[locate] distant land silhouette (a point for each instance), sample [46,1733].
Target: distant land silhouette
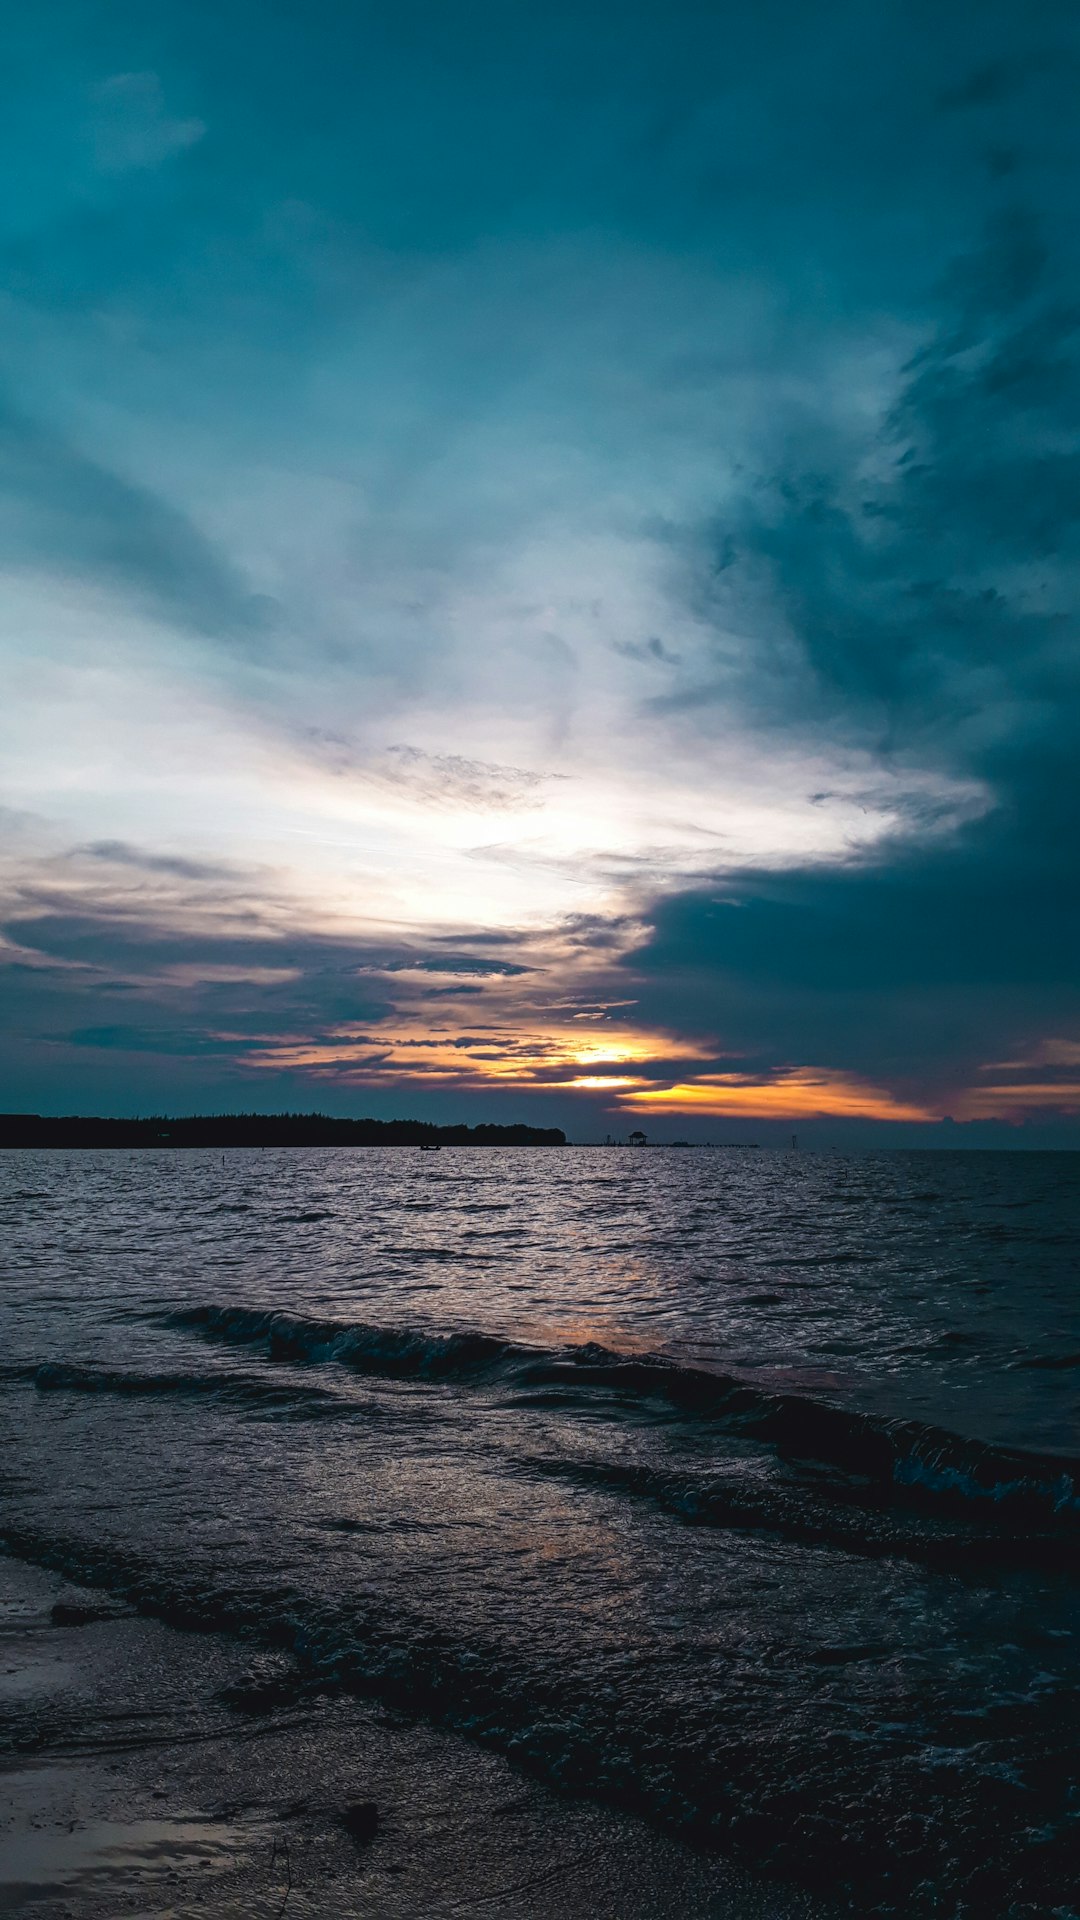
[259,1130]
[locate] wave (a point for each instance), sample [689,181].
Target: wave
[391,1353]
[240,1390]
[899,1460]
[813,1516]
[742,1768]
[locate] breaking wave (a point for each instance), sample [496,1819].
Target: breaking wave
[901,1461]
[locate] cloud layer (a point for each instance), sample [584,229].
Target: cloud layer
[539,557]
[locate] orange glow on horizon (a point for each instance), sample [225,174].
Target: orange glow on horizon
[539,1049]
[532,1057]
[803,1093]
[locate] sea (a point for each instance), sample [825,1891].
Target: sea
[737,1489]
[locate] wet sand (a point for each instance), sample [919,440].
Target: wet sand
[148,1771]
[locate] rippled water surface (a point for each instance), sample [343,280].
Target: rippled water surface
[740,1487]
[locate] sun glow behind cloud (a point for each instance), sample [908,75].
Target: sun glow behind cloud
[542,1012]
[289,823]
[609,594]
[533,1057]
[111,739]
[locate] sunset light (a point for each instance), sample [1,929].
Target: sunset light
[540,960]
[799,1094]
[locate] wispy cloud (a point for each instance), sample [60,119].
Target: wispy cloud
[74,517]
[132,127]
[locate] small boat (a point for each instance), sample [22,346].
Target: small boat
[424,1148]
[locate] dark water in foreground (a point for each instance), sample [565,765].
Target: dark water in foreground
[742,1489]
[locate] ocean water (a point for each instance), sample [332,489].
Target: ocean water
[742,1489]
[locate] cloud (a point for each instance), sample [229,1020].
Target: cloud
[477,785]
[648,651]
[795,1094]
[121,853]
[67,513]
[132,128]
[128,1039]
[677,457]
[450,780]
[448,963]
[995,81]
[925,578]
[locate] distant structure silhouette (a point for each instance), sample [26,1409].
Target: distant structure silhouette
[637,1138]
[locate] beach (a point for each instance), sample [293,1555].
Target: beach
[562,1532]
[148,1771]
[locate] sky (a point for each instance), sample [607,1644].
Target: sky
[539,564]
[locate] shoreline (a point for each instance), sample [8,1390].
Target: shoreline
[82,1132]
[155,1771]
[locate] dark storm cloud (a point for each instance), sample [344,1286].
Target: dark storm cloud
[916,573]
[927,585]
[911,972]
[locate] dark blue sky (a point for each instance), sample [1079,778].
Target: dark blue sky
[539,564]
